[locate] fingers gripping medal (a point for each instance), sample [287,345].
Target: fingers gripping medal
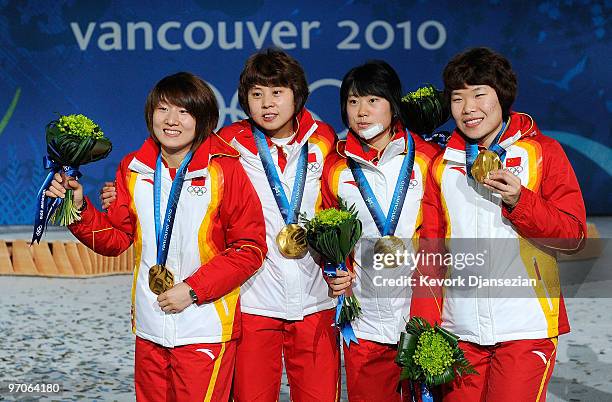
[291,240]
[388,245]
[480,164]
[161,278]
[486,162]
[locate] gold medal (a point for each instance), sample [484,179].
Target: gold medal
[160,279]
[486,162]
[390,245]
[291,241]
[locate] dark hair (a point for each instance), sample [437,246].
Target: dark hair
[191,92]
[273,67]
[377,78]
[481,65]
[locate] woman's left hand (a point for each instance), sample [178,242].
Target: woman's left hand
[175,300]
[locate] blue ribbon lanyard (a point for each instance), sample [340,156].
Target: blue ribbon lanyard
[288,211]
[348,334]
[46,206]
[163,233]
[386,224]
[471,150]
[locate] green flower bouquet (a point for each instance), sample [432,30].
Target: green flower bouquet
[430,355]
[333,234]
[72,140]
[426,109]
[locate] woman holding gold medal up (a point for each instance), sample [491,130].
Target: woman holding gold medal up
[193,249]
[381,168]
[500,181]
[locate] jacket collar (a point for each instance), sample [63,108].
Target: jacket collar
[361,152]
[520,125]
[243,135]
[145,158]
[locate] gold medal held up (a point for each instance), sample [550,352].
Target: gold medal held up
[291,241]
[160,279]
[486,162]
[390,245]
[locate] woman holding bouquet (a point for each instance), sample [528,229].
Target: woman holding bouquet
[380,167]
[185,203]
[287,313]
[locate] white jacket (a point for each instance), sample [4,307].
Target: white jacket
[285,288]
[518,245]
[385,307]
[217,241]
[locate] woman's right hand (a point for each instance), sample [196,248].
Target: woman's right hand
[59,185]
[340,283]
[108,194]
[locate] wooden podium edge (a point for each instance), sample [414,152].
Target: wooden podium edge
[59,259]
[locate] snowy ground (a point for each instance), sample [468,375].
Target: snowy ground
[76,332]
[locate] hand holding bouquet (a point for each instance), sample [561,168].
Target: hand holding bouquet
[430,356]
[72,141]
[333,234]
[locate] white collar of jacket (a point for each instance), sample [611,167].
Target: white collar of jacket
[244,140]
[521,125]
[145,158]
[359,152]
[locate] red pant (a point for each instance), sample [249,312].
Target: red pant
[310,350]
[509,372]
[372,374]
[197,372]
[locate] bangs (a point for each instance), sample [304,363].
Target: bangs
[267,77]
[182,94]
[365,88]
[467,76]
[370,80]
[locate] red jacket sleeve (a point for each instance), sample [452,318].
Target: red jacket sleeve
[555,216]
[426,299]
[109,233]
[245,237]
[329,199]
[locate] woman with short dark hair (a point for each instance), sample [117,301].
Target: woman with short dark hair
[381,168]
[505,187]
[185,203]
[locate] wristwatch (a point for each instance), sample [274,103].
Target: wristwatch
[194,296]
[84,206]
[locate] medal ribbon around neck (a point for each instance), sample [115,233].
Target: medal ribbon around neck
[163,233]
[471,150]
[288,211]
[386,224]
